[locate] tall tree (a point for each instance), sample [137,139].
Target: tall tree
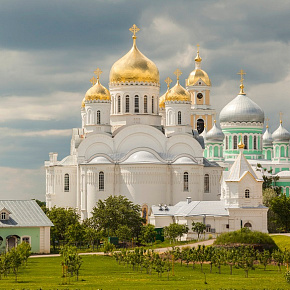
[280,205]
[116,211]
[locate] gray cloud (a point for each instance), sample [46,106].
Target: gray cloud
[49,50]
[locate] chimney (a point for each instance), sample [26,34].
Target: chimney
[188,199]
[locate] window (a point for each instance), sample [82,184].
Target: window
[200,125]
[127,104]
[227,142]
[26,240]
[185,181]
[246,142]
[208,228]
[206,183]
[136,104]
[98,117]
[255,142]
[152,104]
[66,182]
[199,96]
[119,104]
[3,215]
[101,181]
[247,193]
[235,142]
[145,105]
[179,118]
[247,225]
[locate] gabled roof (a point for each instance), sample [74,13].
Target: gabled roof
[24,213]
[194,208]
[239,168]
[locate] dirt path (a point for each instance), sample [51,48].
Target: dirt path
[160,250]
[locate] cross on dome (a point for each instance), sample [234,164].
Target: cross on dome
[281,114]
[93,80]
[134,29]
[98,72]
[242,73]
[267,122]
[178,73]
[168,81]
[198,58]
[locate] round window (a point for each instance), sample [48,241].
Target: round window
[199,96]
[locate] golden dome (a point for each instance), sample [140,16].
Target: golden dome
[197,74]
[177,93]
[134,67]
[97,91]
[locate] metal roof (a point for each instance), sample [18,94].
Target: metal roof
[24,213]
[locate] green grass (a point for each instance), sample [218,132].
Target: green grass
[283,242]
[103,272]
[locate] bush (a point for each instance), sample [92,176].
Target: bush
[245,236]
[287,277]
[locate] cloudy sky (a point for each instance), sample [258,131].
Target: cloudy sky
[49,50]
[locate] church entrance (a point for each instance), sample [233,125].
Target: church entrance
[11,242]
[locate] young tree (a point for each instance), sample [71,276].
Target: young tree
[199,228]
[175,230]
[14,261]
[148,233]
[264,258]
[24,250]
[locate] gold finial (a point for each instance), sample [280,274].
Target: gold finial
[267,123]
[281,114]
[214,121]
[242,82]
[198,58]
[178,73]
[93,80]
[134,29]
[241,145]
[168,82]
[98,72]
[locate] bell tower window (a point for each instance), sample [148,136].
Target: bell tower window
[185,181]
[199,96]
[247,193]
[98,117]
[119,104]
[200,125]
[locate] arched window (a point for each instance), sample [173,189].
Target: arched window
[200,125]
[227,142]
[247,225]
[145,105]
[101,181]
[255,142]
[152,104]
[98,117]
[247,193]
[199,96]
[179,118]
[185,181]
[235,142]
[206,183]
[246,142]
[127,104]
[136,104]
[66,182]
[119,104]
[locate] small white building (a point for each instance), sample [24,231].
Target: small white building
[240,204]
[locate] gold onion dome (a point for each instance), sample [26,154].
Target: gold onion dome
[134,66]
[198,73]
[177,93]
[97,91]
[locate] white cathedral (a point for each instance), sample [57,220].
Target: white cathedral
[151,149]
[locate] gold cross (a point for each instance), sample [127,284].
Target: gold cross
[168,82]
[281,114]
[242,81]
[134,29]
[197,48]
[178,73]
[98,72]
[267,122]
[93,81]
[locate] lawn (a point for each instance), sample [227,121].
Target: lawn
[103,272]
[283,242]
